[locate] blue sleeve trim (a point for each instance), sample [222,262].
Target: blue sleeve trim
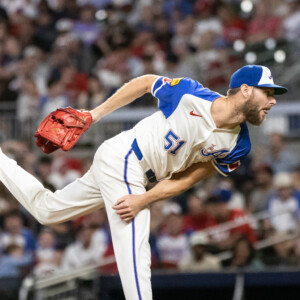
[218,168]
[157,84]
[169,92]
[232,160]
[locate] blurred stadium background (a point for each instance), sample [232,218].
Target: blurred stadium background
[235,238]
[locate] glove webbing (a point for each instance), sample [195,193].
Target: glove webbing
[82,121]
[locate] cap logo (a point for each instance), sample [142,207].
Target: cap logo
[266,77]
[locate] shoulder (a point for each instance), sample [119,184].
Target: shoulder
[172,84]
[182,86]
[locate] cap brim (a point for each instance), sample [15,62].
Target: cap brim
[278,90]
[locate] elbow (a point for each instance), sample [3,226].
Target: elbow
[45,223]
[148,81]
[45,219]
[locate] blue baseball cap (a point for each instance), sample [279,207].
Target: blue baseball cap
[257,76]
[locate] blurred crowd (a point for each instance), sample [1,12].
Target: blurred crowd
[57,53]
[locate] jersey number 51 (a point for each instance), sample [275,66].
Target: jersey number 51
[173,143]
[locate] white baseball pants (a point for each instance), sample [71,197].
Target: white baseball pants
[114,173]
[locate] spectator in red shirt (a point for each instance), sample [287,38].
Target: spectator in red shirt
[263,25]
[196,218]
[233,27]
[73,81]
[217,206]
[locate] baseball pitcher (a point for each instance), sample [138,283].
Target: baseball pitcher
[195,133]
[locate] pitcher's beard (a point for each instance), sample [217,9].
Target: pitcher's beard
[252,114]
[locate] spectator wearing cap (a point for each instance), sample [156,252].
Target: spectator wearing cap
[284,206]
[172,244]
[201,259]
[263,188]
[221,213]
[227,190]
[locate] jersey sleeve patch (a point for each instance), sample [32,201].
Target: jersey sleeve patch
[231,162]
[158,83]
[175,81]
[169,95]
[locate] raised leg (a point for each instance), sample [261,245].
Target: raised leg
[78,198]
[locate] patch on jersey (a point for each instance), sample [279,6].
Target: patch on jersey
[166,80]
[233,166]
[175,81]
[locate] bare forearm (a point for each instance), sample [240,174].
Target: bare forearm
[128,206]
[178,184]
[125,95]
[164,190]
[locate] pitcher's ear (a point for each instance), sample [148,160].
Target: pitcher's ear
[246,90]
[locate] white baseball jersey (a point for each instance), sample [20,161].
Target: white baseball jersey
[183,132]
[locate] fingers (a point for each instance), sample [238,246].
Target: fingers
[119,204]
[128,220]
[123,211]
[125,215]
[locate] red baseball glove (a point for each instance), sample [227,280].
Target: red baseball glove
[62,129]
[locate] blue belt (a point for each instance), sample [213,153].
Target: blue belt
[137,151]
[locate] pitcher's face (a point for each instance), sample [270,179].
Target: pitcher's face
[258,105]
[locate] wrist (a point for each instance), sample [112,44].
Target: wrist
[95,116]
[144,200]
[150,196]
